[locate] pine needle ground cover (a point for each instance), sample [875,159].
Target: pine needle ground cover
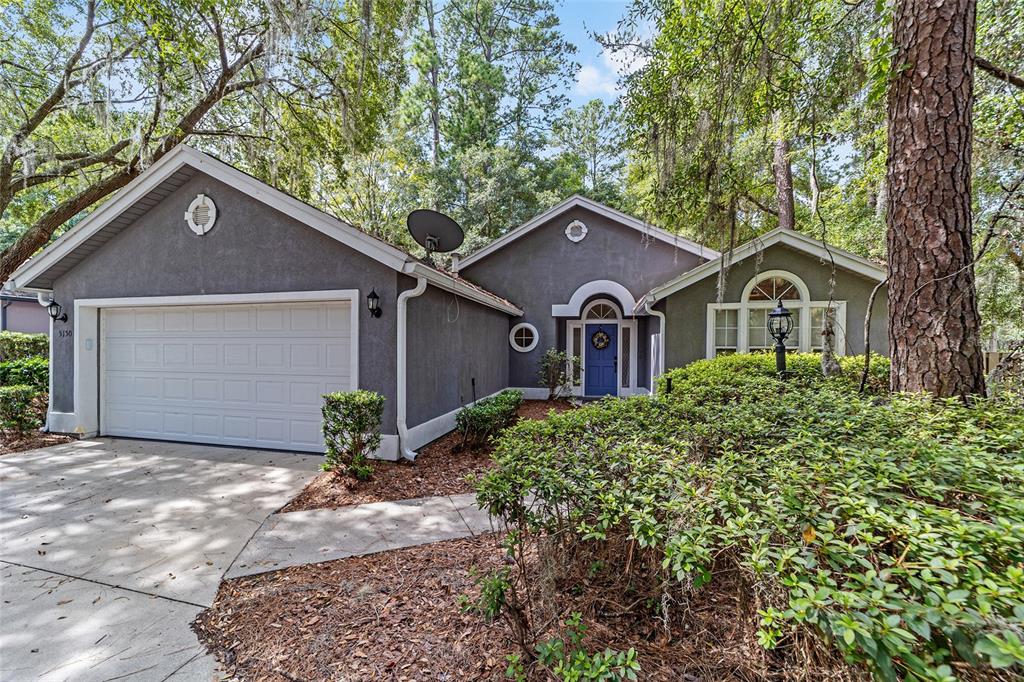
[883,533]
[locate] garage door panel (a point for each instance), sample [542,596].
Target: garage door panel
[238,375]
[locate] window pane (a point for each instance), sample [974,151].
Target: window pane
[726,328]
[817,326]
[577,336]
[774,289]
[624,355]
[757,328]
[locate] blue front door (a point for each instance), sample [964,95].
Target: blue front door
[602,369]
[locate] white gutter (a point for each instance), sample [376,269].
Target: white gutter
[403,429]
[648,307]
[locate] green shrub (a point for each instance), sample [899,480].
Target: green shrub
[555,372]
[17,346]
[889,528]
[486,417]
[352,431]
[21,408]
[30,371]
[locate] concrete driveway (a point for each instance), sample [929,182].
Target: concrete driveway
[110,547]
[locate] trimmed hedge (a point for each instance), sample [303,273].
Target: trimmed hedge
[487,417]
[18,346]
[31,371]
[21,408]
[889,529]
[352,431]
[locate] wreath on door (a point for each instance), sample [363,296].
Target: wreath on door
[600,339]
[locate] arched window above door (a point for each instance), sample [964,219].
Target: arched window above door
[600,310]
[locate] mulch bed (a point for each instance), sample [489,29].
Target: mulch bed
[396,616]
[19,442]
[388,616]
[441,468]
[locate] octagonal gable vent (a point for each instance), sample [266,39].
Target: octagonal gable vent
[201,214]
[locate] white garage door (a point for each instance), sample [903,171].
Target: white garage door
[248,375]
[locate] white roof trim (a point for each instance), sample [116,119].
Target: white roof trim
[327,224]
[591,205]
[796,240]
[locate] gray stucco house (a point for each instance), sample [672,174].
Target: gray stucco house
[206,306]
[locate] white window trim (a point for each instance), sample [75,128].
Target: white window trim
[512,337]
[802,308]
[86,418]
[583,231]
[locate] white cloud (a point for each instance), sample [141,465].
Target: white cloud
[602,78]
[596,80]
[626,61]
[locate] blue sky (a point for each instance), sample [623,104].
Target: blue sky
[597,75]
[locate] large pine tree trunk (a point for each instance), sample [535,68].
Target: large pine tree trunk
[934,328]
[783,172]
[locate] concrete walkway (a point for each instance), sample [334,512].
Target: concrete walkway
[309,537]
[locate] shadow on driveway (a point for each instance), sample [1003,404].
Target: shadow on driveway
[109,547]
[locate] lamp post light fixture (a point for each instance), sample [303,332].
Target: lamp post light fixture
[55,311]
[373,303]
[780,324]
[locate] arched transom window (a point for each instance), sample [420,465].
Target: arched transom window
[742,326]
[600,310]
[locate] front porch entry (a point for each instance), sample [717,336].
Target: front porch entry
[606,343]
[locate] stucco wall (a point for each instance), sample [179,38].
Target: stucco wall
[251,249]
[686,310]
[544,268]
[452,341]
[25,316]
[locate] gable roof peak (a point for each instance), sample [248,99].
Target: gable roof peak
[578,200]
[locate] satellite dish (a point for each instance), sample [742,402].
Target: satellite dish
[434,231]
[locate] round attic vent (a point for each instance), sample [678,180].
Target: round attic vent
[576,231]
[201,214]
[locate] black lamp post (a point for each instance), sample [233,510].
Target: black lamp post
[54,311]
[780,324]
[373,303]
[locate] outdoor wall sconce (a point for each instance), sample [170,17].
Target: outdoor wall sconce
[54,311]
[780,324]
[373,303]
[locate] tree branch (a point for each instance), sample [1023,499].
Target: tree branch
[12,151]
[999,72]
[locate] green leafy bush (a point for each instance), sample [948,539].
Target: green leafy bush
[17,346]
[30,371]
[555,372]
[888,528]
[352,431]
[486,417]
[21,408]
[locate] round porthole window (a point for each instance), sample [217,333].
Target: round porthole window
[201,214]
[523,337]
[576,231]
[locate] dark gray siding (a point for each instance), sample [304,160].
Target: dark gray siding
[686,310]
[452,341]
[25,316]
[252,248]
[543,268]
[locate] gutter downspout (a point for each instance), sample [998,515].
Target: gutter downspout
[403,429]
[649,302]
